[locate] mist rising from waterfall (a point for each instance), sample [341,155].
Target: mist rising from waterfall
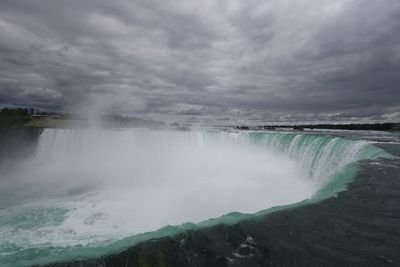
[118,183]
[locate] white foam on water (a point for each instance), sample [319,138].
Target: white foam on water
[107,185]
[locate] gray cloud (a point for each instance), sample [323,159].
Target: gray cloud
[205,61]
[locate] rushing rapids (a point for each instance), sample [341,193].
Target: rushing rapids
[85,193]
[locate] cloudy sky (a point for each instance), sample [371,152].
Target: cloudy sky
[210,61]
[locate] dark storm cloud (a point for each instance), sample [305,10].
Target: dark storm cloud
[211,61]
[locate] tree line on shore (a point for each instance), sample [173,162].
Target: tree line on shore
[28,117]
[24,117]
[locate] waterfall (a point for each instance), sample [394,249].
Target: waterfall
[88,192]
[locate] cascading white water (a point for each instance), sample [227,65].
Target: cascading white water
[90,188]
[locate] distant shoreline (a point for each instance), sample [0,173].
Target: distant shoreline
[386,126]
[26,118]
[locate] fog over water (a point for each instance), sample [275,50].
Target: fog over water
[111,184]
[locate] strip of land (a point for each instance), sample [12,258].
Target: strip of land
[29,118]
[386,126]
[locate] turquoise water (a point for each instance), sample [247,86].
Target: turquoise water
[52,216]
